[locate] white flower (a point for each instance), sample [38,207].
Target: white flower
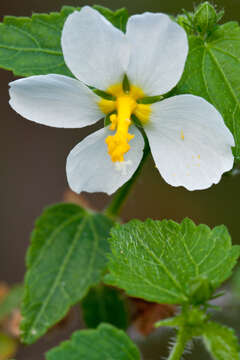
[189,142]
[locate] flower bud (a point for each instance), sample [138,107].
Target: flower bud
[205,18]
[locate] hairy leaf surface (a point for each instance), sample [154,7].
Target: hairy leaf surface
[212,71]
[66,257]
[104,343]
[159,260]
[32,46]
[221,342]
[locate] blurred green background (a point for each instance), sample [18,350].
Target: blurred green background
[32,159]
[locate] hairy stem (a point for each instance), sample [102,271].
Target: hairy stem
[121,195]
[181,342]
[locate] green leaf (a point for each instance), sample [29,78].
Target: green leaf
[118,18]
[11,301]
[236,283]
[150,99]
[104,304]
[221,342]
[8,346]
[212,71]
[158,260]
[106,343]
[66,257]
[32,46]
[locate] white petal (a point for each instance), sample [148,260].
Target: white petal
[95,51]
[89,167]
[159,49]
[55,100]
[189,141]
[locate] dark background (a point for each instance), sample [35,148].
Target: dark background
[32,159]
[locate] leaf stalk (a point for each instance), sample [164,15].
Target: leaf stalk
[179,347]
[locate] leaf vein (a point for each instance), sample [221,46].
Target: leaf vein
[60,272]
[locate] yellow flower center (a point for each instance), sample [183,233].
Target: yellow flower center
[125,105]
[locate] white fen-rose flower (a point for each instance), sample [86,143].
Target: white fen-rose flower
[189,141]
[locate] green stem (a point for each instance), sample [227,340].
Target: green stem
[179,347]
[120,197]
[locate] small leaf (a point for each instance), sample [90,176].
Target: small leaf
[66,257]
[11,301]
[192,320]
[150,99]
[32,46]
[104,304]
[212,71]
[126,84]
[104,343]
[176,322]
[221,342]
[8,347]
[158,260]
[105,95]
[200,290]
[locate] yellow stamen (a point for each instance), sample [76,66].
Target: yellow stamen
[118,144]
[125,106]
[114,120]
